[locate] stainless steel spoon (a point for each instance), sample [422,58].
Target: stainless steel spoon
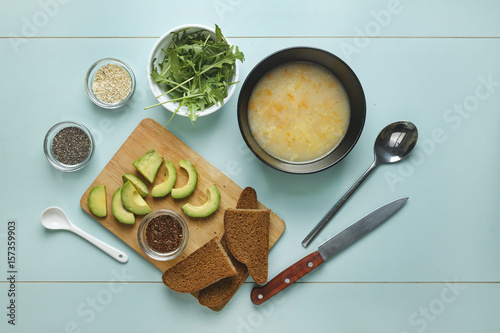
[54,218]
[393,144]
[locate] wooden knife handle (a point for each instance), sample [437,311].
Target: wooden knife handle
[261,294]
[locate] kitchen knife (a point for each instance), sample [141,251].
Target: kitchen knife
[325,251]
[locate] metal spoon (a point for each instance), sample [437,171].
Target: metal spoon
[54,218]
[393,144]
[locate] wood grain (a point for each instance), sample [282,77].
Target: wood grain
[150,134]
[284,279]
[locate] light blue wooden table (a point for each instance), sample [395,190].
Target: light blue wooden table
[435,267]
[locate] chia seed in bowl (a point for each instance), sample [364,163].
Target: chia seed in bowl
[68,146]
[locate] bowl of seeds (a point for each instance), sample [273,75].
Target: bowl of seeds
[68,146]
[110,83]
[163,235]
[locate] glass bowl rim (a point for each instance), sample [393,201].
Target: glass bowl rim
[89,79]
[47,146]
[159,255]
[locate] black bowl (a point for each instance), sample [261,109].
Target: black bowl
[351,84]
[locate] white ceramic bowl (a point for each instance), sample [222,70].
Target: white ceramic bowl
[158,54]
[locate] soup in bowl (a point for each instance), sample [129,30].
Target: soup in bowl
[301,110]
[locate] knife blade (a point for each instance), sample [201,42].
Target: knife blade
[326,250]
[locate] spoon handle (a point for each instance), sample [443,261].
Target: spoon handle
[315,231]
[111,251]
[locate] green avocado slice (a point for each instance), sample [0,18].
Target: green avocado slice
[132,200]
[186,190]
[166,187]
[138,184]
[148,164]
[97,200]
[121,214]
[206,209]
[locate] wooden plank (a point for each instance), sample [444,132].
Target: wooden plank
[149,134]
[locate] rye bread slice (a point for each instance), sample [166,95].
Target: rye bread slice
[247,234]
[207,265]
[219,293]
[248,199]
[222,291]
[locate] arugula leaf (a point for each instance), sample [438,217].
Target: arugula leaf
[196,70]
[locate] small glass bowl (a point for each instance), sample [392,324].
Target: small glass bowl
[49,154]
[89,79]
[141,236]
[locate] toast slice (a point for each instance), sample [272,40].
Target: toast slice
[247,235]
[222,291]
[248,199]
[219,293]
[207,265]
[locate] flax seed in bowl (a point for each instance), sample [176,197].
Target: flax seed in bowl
[110,83]
[163,235]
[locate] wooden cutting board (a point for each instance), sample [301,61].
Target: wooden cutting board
[150,134]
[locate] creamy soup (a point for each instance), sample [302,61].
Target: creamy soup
[298,112]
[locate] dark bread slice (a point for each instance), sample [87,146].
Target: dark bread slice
[219,293]
[247,235]
[207,265]
[222,291]
[248,199]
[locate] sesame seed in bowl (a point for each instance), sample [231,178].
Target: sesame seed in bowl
[110,83]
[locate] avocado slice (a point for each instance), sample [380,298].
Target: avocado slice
[179,193]
[209,207]
[132,200]
[121,214]
[148,164]
[97,200]
[138,184]
[166,187]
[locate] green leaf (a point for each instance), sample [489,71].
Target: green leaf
[218,34]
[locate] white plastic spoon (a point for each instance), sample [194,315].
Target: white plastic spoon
[54,218]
